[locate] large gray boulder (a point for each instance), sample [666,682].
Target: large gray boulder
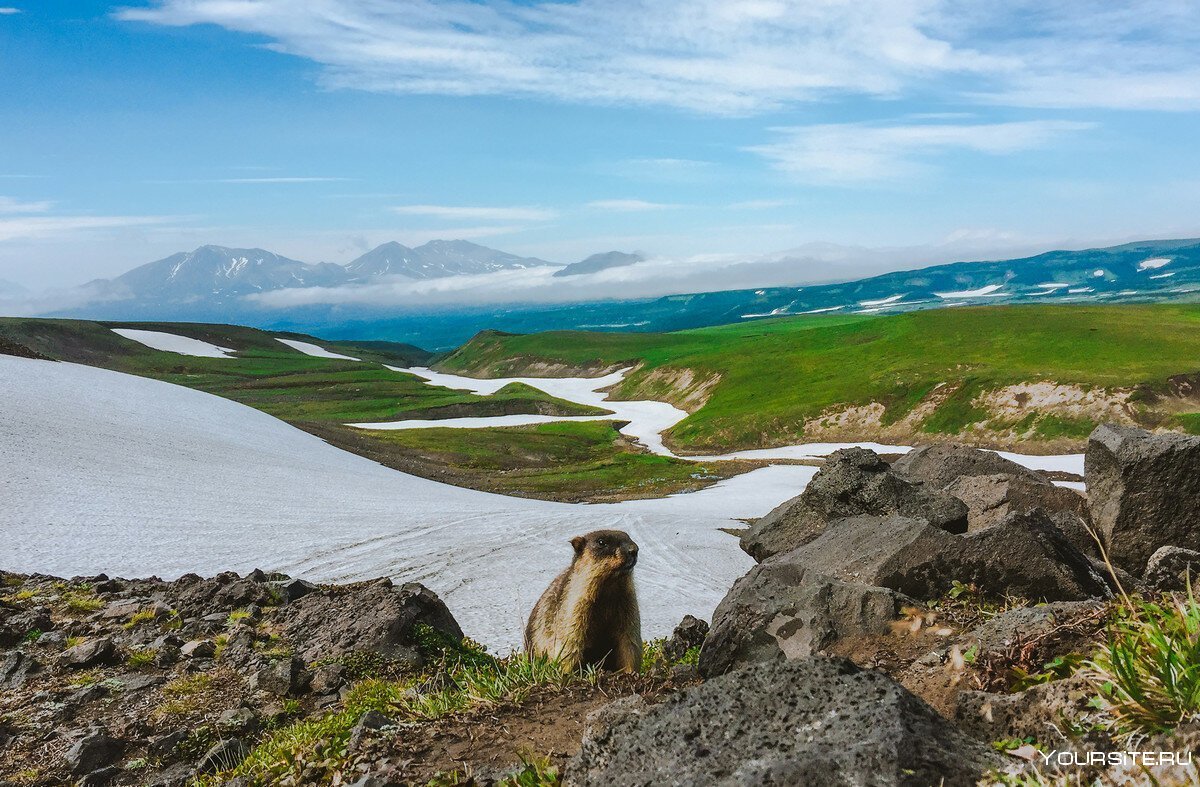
[819,722]
[379,619]
[940,465]
[782,611]
[1026,555]
[1173,569]
[1143,492]
[853,482]
[991,498]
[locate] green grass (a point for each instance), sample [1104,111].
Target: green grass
[776,374]
[318,747]
[566,460]
[1149,671]
[1189,422]
[278,380]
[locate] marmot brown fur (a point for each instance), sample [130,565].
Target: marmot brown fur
[589,614]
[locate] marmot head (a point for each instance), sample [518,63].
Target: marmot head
[613,550]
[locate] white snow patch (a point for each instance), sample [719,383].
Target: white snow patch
[1078,290]
[822,311]
[881,301]
[102,471]
[1153,263]
[990,291]
[169,342]
[1166,275]
[308,348]
[1098,273]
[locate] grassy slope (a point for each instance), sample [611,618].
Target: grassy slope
[275,378]
[571,461]
[776,374]
[561,461]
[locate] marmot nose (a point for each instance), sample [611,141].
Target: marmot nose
[631,557]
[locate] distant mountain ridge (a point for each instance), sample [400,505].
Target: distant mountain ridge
[436,259]
[600,262]
[206,286]
[220,272]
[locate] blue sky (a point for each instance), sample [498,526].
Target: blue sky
[320,129]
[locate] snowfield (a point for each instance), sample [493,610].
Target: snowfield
[308,348]
[102,471]
[990,291]
[169,342]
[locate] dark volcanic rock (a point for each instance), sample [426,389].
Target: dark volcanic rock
[378,619]
[853,482]
[15,668]
[92,752]
[941,465]
[1026,555]
[282,678]
[1143,492]
[1173,568]
[782,611]
[1038,712]
[690,633]
[97,651]
[991,498]
[820,722]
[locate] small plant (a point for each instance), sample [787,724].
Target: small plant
[140,659]
[1058,668]
[86,678]
[534,772]
[236,617]
[654,657]
[31,636]
[220,643]
[137,765]
[74,642]
[185,695]
[80,602]
[1149,672]
[140,617]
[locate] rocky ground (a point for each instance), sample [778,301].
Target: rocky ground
[949,618]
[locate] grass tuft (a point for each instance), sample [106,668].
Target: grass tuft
[1149,671]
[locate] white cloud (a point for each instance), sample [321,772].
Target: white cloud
[11,205]
[49,226]
[477,213]
[6,10]
[760,204]
[629,205]
[266,180]
[860,153]
[731,56]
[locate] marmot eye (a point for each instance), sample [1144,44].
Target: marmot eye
[600,542]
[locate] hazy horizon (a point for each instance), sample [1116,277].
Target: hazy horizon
[916,132]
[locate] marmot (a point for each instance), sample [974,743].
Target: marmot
[589,614]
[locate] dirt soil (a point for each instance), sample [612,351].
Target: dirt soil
[484,744]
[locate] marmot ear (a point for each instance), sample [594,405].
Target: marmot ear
[578,542]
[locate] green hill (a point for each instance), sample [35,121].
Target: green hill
[1041,376]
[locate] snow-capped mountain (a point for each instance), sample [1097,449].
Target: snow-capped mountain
[218,272]
[436,259]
